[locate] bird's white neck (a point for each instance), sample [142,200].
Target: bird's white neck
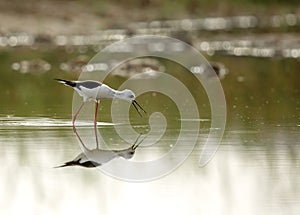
[119,94]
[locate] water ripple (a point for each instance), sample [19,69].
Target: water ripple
[42,122]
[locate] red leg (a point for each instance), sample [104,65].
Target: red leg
[95,124]
[75,116]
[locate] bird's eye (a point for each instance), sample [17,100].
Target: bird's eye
[131,96]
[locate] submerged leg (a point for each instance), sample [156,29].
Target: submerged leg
[95,123]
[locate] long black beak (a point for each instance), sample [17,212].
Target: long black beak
[136,105]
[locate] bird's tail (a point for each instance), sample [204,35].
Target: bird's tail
[66,82]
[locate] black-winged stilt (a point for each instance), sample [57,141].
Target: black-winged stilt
[95,91]
[97,157]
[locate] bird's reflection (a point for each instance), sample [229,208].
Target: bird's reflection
[97,157]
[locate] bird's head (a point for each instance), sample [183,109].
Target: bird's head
[126,153]
[128,95]
[129,152]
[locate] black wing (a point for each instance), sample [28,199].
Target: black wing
[88,84]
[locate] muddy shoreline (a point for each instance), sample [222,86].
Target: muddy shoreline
[79,17]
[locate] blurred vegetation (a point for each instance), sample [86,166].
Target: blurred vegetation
[121,12]
[188,8]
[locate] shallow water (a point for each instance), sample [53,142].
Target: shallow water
[255,170]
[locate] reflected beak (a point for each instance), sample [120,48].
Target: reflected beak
[135,145]
[136,105]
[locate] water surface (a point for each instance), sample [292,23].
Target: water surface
[255,171]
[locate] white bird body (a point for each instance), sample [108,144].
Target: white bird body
[100,92]
[95,91]
[88,94]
